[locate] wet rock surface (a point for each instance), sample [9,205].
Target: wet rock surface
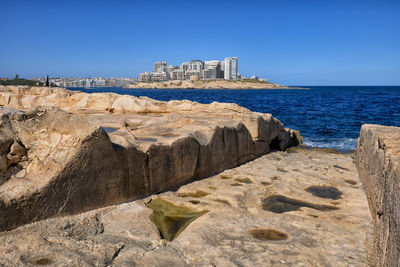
[236,230]
[268,234]
[325,192]
[171,219]
[281,204]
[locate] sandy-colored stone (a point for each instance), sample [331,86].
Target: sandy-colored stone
[123,235]
[54,163]
[378,163]
[209,84]
[57,164]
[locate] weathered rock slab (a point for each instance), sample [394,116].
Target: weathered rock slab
[378,163]
[236,230]
[56,157]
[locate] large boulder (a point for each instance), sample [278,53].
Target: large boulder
[56,163]
[378,163]
[58,159]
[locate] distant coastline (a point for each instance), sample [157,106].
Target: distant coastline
[210,84]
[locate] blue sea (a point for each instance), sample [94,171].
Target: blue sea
[326,116]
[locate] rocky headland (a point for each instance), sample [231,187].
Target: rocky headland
[111,148]
[116,180]
[210,84]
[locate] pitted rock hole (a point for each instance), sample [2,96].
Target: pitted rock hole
[352,182]
[281,204]
[197,194]
[146,139]
[268,234]
[171,219]
[168,135]
[223,201]
[244,180]
[340,167]
[42,261]
[325,192]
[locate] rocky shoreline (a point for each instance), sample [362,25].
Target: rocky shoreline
[210,84]
[238,228]
[116,180]
[68,163]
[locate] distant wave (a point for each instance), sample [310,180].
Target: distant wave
[337,143]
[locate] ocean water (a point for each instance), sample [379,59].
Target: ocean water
[326,116]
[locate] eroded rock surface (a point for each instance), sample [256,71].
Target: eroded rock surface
[80,151]
[378,163]
[56,163]
[236,230]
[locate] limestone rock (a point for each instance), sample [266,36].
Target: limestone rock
[209,84]
[59,165]
[378,163]
[236,230]
[55,162]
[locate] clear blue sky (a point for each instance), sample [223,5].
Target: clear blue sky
[296,42]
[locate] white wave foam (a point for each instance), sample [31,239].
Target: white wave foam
[337,143]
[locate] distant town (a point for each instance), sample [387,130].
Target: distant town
[70,82]
[192,70]
[195,70]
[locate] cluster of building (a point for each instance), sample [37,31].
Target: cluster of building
[89,82]
[193,70]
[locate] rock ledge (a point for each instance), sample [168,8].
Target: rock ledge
[70,152]
[378,163]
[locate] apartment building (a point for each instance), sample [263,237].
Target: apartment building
[231,68]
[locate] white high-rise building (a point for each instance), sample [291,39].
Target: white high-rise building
[222,63]
[231,68]
[212,70]
[196,65]
[160,66]
[171,68]
[185,66]
[211,64]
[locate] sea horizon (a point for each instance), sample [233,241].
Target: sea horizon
[324,118]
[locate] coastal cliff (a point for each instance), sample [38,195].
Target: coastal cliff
[378,163]
[113,148]
[208,84]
